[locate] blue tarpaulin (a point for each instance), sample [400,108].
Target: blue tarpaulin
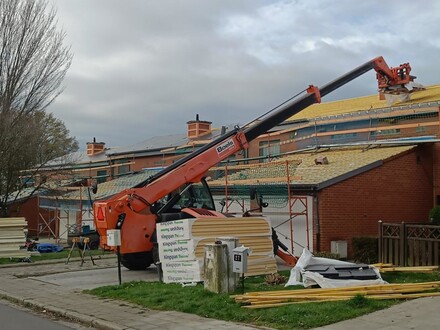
[48,247]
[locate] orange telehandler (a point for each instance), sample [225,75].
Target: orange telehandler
[171,194]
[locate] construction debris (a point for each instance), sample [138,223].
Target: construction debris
[266,299]
[331,273]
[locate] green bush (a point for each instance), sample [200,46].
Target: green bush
[434,215]
[365,249]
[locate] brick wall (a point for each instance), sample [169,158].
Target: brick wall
[30,211]
[399,190]
[436,174]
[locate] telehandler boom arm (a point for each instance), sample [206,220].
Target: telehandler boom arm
[135,204]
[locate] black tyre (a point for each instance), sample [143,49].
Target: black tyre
[94,245]
[137,261]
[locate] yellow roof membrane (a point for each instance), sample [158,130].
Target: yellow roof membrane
[430,94]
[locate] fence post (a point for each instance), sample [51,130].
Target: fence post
[379,243]
[402,245]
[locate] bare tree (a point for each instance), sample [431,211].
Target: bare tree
[33,64]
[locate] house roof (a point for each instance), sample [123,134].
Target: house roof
[343,162]
[162,143]
[110,188]
[430,94]
[45,189]
[153,143]
[76,159]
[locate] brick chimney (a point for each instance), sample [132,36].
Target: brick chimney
[94,148]
[198,128]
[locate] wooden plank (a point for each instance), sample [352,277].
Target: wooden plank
[436,253]
[390,251]
[414,269]
[387,291]
[385,250]
[416,252]
[4,238]
[12,240]
[429,253]
[423,257]
[13,219]
[410,252]
[396,252]
[311,291]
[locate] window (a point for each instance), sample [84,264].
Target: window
[192,195]
[123,169]
[197,196]
[346,136]
[101,176]
[420,129]
[27,181]
[269,148]
[159,163]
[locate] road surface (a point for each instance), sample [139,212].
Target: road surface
[15,317]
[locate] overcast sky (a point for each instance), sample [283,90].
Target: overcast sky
[143,68]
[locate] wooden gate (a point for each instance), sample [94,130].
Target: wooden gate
[409,244]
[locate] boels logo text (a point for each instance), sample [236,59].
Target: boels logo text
[225,146]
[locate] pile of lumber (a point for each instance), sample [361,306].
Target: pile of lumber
[383,268]
[265,299]
[181,245]
[12,237]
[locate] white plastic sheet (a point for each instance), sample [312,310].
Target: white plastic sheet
[298,276]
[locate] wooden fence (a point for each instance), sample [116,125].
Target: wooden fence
[407,244]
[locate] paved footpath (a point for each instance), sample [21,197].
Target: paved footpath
[28,284]
[422,313]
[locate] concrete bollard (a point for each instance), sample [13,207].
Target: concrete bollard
[215,266]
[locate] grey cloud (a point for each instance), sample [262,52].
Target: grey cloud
[144,68]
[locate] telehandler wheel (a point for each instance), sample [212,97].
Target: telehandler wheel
[137,261]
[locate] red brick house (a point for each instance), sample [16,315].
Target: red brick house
[344,196]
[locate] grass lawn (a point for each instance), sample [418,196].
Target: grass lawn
[196,300]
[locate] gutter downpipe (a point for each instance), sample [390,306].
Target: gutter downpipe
[318,224]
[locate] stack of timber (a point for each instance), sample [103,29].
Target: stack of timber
[181,245]
[12,236]
[384,268]
[265,299]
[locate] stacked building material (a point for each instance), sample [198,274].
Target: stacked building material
[12,237]
[181,245]
[266,299]
[386,268]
